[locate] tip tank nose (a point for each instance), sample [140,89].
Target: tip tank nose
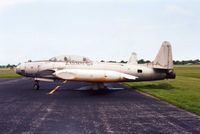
[17,69]
[20,69]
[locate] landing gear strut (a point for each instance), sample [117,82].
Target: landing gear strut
[36,85]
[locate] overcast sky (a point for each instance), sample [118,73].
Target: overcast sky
[101,29]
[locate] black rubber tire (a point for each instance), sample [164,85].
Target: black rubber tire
[36,86]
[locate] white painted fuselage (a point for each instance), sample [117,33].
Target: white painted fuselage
[78,68]
[93,72]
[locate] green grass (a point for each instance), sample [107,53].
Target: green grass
[188,71]
[8,73]
[183,92]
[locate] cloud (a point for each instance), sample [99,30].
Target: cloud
[175,9]
[7,3]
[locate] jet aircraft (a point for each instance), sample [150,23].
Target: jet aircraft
[80,68]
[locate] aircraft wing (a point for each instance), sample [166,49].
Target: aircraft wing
[93,75]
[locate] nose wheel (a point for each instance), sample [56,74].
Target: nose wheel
[36,85]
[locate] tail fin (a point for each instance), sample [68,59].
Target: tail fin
[164,59]
[133,59]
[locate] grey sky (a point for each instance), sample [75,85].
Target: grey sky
[101,29]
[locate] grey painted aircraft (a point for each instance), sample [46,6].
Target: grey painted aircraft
[78,68]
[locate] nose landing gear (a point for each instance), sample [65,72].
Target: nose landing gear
[36,85]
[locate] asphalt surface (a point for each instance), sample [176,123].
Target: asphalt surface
[70,111]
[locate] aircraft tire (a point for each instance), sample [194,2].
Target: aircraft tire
[36,85]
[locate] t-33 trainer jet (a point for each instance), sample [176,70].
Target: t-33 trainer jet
[78,68]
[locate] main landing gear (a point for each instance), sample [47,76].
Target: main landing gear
[36,85]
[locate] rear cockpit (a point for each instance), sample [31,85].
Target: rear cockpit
[71,59]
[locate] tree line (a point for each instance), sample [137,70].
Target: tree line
[176,62]
[8,66]
[141,61]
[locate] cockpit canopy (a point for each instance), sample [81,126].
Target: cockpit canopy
[71,58]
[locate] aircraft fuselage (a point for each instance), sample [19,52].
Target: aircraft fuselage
[79,68]
[91,72]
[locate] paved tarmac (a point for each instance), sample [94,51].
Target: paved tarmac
[70,111]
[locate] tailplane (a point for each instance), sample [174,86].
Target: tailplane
[164,59]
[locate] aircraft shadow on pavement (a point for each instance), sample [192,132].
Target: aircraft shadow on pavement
[76,88]
[100,92]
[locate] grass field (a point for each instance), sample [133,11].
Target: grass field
[8,73]
[183,92]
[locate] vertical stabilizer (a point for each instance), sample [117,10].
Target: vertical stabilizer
[133,59]
[164,59]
